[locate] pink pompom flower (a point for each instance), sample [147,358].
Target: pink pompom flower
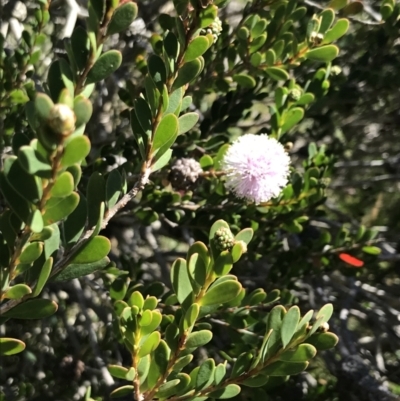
[256,167]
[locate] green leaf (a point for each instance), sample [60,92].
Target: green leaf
[215,227]
[167,389]
[182,362]
[157,71]
[245,235]
[256,59]
[74,224]
[187,73]
[75,151]
[17,203]
[206,161]
[160,360]
[150,344]
[66,96]
[19,96]
[270,57]
[83,110]
[289,325]
[180,280]
[280,368]
[36,221]
[146,318]
[33,162]
[272,338]
[31,252]
[136,299]
[122,391]
[80,270]
[371,250]
[96,195]
[143,114]
[186,102]
[230,391]
[143,368]
[305,319]
[187,122]
[242,364]
[244,80]
[327,17]
[207,15]
[198,270]
[122,18]
[197,47]
[223,264]
[198,339]
[94,250]
[105,65]
[162,161]
[63,186]
[171,46]
[59,208]
[118,290]
[166,132]
[325,312]
[259,28]
[174,101]
[33,309]
[220,372]
[276,73]
[303,353]
[43,277]
[27,185]
[17,291]
[256,381]
[305,99]
[290,118]
[323,341]
[386,10]
[11,346]
[324,53]
[338,4]
[337,31]
[152,95]
[191,316]
[113,188]
[60,77]
[355,7]
[120,372]
[43,106]
[221,293]
[205,375]
[80,46]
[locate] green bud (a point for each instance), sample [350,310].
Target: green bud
[224,239]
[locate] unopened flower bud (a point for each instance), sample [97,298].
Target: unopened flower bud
[184,173]
[336,70]
[61,120]
[214,29]
[295,94]
[316,38]
[224,239]
[323,328]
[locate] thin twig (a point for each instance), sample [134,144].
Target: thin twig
[66,259]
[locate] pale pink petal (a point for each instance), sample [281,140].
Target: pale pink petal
[257,167]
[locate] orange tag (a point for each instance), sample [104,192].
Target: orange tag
[351,260]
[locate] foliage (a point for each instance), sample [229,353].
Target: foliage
[199,83]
